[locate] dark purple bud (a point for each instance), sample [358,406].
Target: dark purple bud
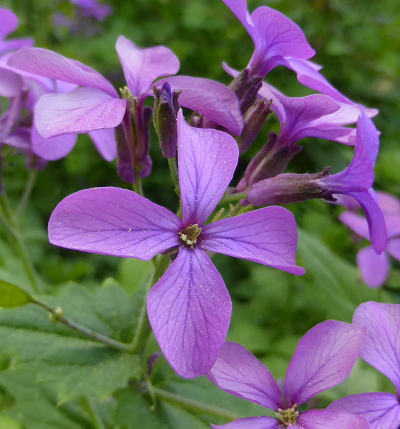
[166,108]
[152,361]
[143,161]
[253,122]
[288,188]
[124,137]
[271,160]
[246,88]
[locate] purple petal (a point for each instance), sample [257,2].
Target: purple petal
[20,139]
[104,140]
[381,348]
[207,160]
[374,268]
[324,357]
[189,310]
[392,224]
[8,22]
[143,66]
[267,236]
[330,419]
[388,203]
[54,66]
[10,83]
[78,111]
[239,8]
[113,221]
[356,223]
[14,44]
[381,410]
[210,98]
[52,148]
[241,374]
[251,423]
[393,248]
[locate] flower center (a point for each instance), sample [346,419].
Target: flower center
[288,416]
[189,235]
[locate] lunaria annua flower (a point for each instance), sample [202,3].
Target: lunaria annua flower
[381,350]
[324,357]
[189,308]
[374,267]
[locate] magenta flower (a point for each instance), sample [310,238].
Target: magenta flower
[324,357]
[189,308]
[8,24]
[375,267]
[381,350]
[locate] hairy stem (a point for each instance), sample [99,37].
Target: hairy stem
[232,198]
[194,406]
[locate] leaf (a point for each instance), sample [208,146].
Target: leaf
[331,280]
[133,272]
[12,295]
[9,423]
[73,364]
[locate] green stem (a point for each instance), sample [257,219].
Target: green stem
[92,412]
[194,406]
[174,174]
[137,185]
[232,198]
[58,316]
[27,192]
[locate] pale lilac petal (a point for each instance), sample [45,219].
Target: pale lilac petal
[393,248]
[392,224]
[113,221]
[381,410]
[239,8]
[14,44]
[210,98]
[20,139]
[382,345]
[388,203]
[143,66]
[189,310]
[10,83]
[374,268]
[324,357]
[267,236]
[238,372]
[356,223]
[104,140]
[52,148]
[78,111]
[8,22]
[251,423]
[207,160]
[54,66]
[330,419]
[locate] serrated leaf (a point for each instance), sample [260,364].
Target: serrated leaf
[12,295]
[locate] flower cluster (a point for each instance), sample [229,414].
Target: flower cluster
[54,98]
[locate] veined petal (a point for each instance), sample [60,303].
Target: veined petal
[78,111]
[189,310]
[52,148]
[330,419]
[104,140]
[207,160]
[381,410]
[324,357]
[251,423]
[374,268]
[54,66]
[210,98]
[113,221]
[143,66]
[240,373]
[382,345]
[267,236]
[8,21]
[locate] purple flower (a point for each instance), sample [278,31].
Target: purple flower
[8,24]
[374,267]
[381,350]
[324,357]
[189,308]
[93,8]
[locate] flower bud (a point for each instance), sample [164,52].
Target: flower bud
[246,88]
[288,188]
[166,108]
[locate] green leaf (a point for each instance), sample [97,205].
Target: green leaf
[334,283]
[9,423]
[133,272]
[73,364]
[12,295]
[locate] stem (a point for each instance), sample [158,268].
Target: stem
[174,174]
[92,412]
[27,192]
[58,316]
[137,185]
[194,406]
[232,198]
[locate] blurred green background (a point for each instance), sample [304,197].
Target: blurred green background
[357,42]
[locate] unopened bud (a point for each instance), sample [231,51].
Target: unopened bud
[288,188]
[253,122]
[166,108]
[56,315]
[246,88]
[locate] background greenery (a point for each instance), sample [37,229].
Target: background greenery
[358,43]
